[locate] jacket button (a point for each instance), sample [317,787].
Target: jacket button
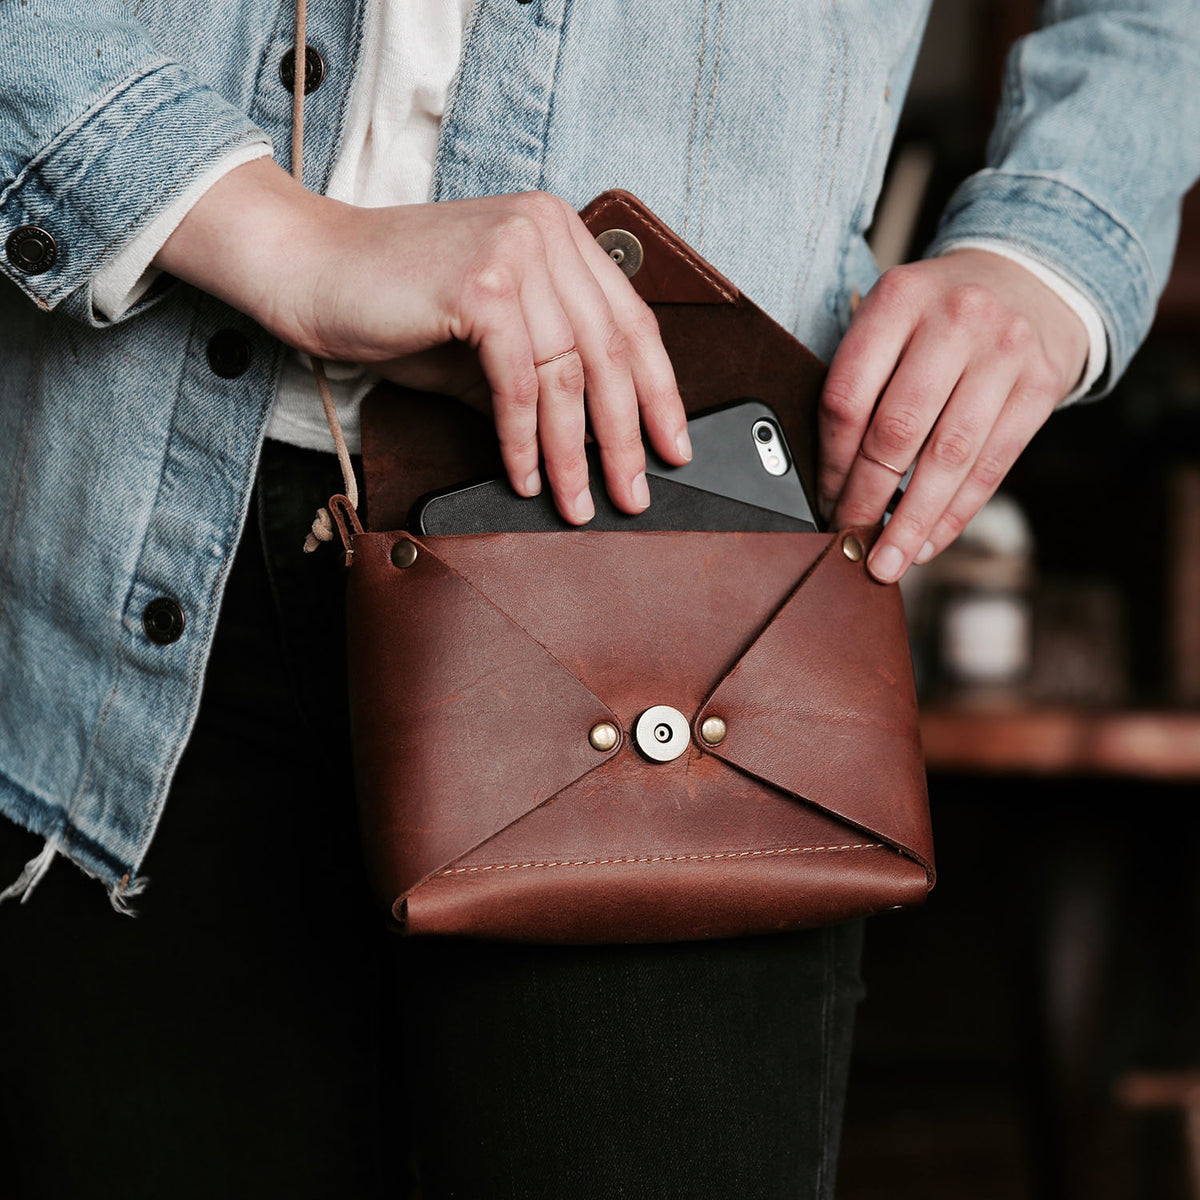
[228,353]
[31,249]
[314,69]
[163,621]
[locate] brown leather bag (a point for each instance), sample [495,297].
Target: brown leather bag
[480,665]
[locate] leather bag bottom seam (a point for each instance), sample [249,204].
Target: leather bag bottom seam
[662,858]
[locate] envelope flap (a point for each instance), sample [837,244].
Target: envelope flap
[822,703]
[492,724]
[721,345]
[671,272]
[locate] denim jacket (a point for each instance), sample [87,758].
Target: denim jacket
[758,130]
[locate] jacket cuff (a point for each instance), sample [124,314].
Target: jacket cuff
[128,275]
[1072,297]
[91,190]
[1066,231]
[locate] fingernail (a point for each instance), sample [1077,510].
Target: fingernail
[641,490]
[886,563]
[683,444]
[927,552]
[533,485]
[583,507]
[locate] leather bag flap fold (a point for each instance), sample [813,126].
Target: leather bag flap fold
[825,704]
[463,722]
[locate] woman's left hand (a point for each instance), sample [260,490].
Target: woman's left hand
[953,364]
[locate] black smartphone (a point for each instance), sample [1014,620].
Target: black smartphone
[741,477]
[739,451]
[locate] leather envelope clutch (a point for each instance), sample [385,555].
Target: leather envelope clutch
[586,735]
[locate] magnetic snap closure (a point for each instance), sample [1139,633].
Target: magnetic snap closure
[404,553]
[713,731]
[661,733]
[603,736]
[623,248]
[852,548]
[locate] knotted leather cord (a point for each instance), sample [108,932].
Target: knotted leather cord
[322,526]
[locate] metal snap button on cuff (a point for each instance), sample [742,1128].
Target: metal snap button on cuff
[661,733]
[31,250]
[604,736]
[163,621]
[713,731]
[623,248]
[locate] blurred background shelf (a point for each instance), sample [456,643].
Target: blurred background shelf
[1059,955]
[1130,744]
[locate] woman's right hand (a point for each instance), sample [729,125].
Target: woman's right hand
[517,278]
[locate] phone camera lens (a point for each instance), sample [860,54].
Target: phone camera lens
[763,432]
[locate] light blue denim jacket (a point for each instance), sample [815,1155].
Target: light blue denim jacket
[759,130]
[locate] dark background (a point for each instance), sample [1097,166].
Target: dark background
[1056,958]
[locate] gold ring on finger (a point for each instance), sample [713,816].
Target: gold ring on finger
[543,362]
[881,463]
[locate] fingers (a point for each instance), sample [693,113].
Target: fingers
[562,428]
[506,357]
[949,454]
[858,374]
[658,399]
[950,366]
[929,372]
[602,360]
[1023,415]
[518,279]
[585,325]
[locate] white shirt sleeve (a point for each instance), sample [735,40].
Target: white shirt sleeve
[120,284]
[1070,295]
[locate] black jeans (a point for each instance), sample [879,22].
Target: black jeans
[257,1031]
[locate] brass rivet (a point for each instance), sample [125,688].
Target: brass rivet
[604,736]
[404,553]
[713,731]
[852,548]
[623,248]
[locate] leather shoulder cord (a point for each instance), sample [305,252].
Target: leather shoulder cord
[322,526]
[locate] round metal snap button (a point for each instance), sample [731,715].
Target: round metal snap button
[623,248]
[314,69]
[661,733]
[31,250]
[404,553]
[163,621]
[604,736]
[228,353]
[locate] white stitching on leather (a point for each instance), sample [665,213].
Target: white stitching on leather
[660,858]
[667,244]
